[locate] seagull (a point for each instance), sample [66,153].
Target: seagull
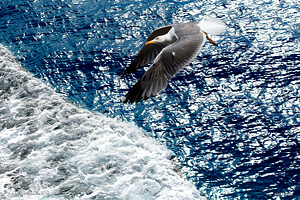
[170,48]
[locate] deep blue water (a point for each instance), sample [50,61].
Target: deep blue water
[232,117]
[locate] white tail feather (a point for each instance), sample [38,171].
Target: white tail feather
[212,26]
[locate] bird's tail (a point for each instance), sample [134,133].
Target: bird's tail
[213,26]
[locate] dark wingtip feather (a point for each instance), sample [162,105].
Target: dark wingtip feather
[129,70]
[135,94]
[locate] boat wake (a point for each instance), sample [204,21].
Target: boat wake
[51,148]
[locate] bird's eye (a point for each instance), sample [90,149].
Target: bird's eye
[157,38]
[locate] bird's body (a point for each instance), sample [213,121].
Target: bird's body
[170,48]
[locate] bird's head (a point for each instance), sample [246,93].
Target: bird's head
[158,39]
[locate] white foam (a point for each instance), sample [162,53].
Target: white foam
[51,149]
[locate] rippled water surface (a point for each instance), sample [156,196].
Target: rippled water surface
[232,117]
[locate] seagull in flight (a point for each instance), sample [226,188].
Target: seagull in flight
[170,49]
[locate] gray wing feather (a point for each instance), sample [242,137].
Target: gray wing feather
[148,52]
[168,63]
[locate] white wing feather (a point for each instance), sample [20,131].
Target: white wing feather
[212,26]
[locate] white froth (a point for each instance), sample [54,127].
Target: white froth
[51,149]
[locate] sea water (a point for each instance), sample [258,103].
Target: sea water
[226,127]
[52,149]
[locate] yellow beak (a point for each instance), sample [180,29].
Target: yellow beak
[149,42]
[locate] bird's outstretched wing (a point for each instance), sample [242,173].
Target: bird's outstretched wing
[168,63]
[148,52]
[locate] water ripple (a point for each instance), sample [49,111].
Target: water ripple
[232,116]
